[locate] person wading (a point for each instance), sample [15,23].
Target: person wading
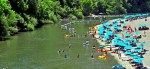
[78,55]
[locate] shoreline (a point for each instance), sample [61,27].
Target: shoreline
[133,24]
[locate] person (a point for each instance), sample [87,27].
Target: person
[93,47]
[119,54]
[105,56]
[70,45]
[92,56]
[85,35]
[78,55]
[144,34]
[59,51]
[65,56]
[145,19]
[63,50]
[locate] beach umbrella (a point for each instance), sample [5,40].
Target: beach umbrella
[138,50]
[101,31]
[128,47]
[126,41]
[137,61]
[127,34]
[122,44]
[135,57]
[117,28]
[143,43]
[118,66]
[133,54]
[109,32]
[137,32]
[139,47]
[141,59]
[145,24]
[126,17]
[117,35]
[140,25]
[124,24]
[128,53]
[119,18]
[106,36]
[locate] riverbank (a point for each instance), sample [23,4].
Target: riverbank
[133,24]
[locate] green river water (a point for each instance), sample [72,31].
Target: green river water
[39,50]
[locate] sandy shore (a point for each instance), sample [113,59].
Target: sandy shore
[134,24]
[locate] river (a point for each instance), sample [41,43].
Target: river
[39,50]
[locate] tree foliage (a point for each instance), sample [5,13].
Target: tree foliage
[25,15]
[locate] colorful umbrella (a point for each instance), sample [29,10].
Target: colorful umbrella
[128,47]
[128,53]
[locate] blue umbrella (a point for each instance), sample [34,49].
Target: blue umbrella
[128,53]
[136,57]
[124,24]
[133,54]
[122,44]
[138,50]
[143,43]
[119,18]
[139,47]
[137,32]
[140,25]
[109,32]
[144,24]
[117,28]
[137,61]
[106,36]
[117,35]
[127,34]
[128,47]
[101,31]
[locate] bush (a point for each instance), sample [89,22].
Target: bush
[13,30]
[46,21]
[33,21]
[79,15]
[72,16]
[30,27]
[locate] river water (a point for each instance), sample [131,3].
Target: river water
[39,50]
